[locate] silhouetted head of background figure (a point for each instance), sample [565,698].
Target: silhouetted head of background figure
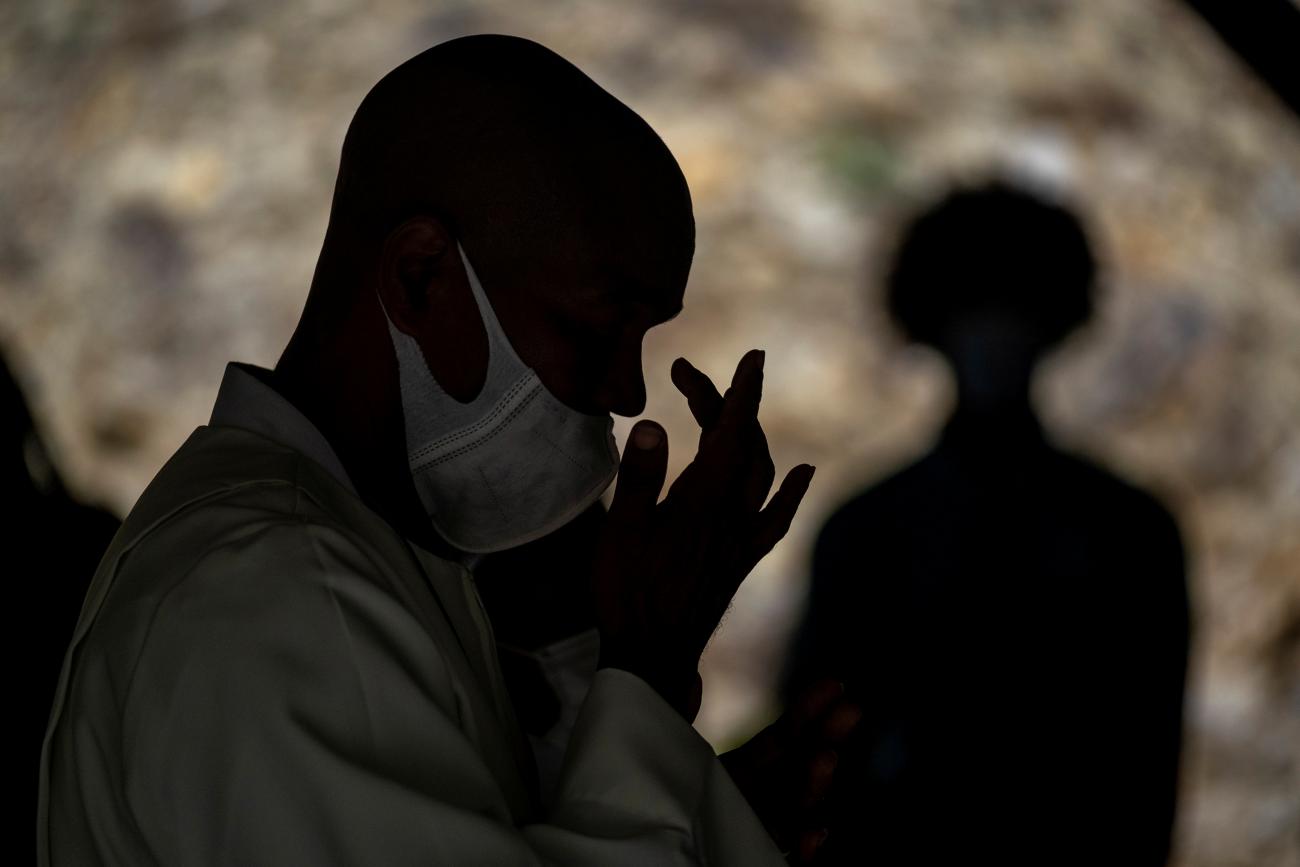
[572,211]
[993,277]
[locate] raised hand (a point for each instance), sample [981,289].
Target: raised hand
[665,573]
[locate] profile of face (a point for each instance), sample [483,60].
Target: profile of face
[521,231]
[576,314]
[508,414]
[579,317]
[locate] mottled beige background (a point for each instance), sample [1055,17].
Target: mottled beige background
[166,169]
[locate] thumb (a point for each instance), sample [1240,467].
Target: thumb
[640,475]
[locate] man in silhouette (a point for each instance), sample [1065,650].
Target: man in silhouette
[284,658]
[1013,619]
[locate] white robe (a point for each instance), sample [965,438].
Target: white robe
[266,673]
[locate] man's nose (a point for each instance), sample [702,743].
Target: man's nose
[622,390]
[625,395]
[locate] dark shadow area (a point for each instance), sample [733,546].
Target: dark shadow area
[1264,35]
[1012,618]
[537,594]
[59,543]
[541,605]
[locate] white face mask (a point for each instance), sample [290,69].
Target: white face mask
[511,465]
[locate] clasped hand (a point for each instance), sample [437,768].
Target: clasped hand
[786,770]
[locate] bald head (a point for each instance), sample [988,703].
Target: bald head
[573,213]
[515,149]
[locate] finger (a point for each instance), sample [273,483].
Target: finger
[762,472]
[715,485]
[809,843]
[820,773]
[706,406]
[813,701]
[701,395]
[640,477]
[840,722]
[774,521]
[740,403]
[728,445]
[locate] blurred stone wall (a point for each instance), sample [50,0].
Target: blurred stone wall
[166,168]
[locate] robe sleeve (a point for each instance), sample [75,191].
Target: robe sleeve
[286,709]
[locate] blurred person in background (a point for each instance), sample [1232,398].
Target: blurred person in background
[1012,618]
[59,542]
[284,657]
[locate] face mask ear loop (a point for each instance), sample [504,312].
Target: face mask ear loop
[410,358]
[497,339]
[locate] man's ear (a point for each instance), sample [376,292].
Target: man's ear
[413,270]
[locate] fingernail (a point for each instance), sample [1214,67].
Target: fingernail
[821,838]
[647,436]
[843,688]
[762,357]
